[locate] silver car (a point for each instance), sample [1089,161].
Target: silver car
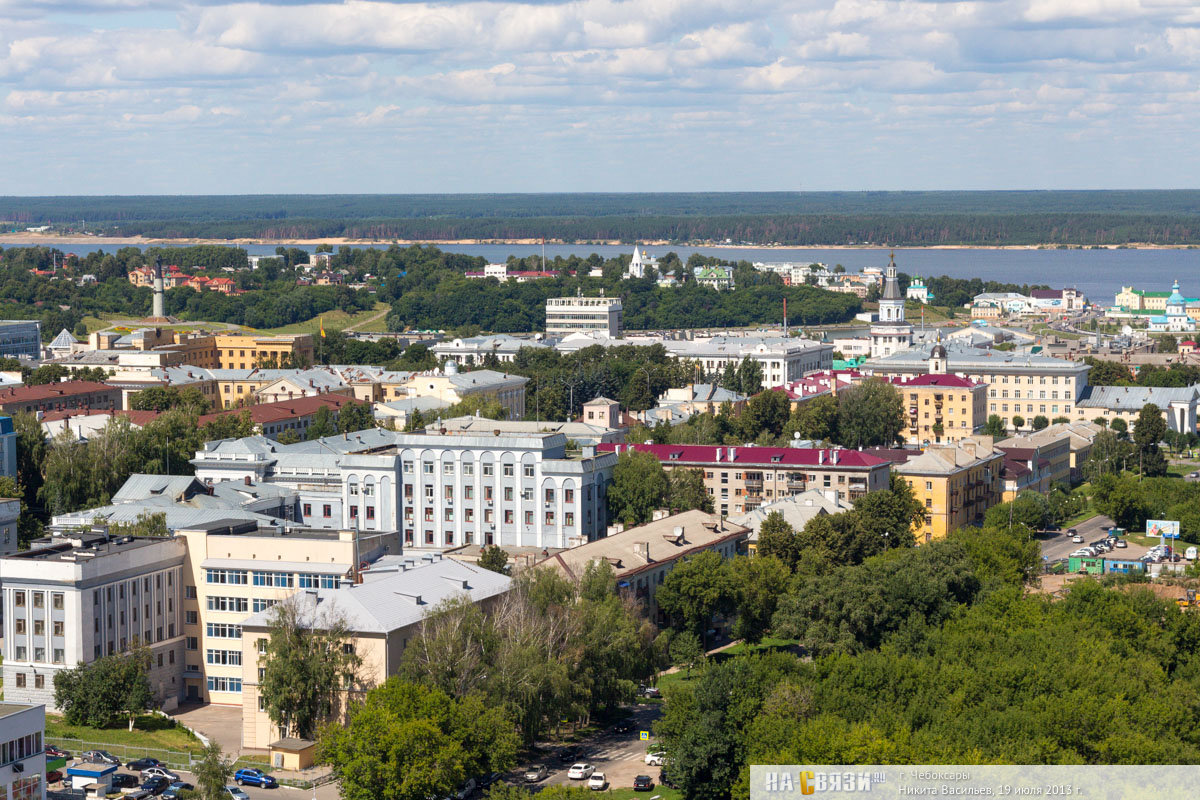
[536,773]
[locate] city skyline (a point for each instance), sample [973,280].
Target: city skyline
[141,96]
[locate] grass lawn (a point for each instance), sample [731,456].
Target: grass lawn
[630,794]
[150,731]
[767,644]
[338,320]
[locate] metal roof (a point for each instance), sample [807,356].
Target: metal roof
[1132,398]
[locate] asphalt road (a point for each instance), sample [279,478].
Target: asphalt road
[620,756]
[1059,545]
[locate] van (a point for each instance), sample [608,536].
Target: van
[1190,554]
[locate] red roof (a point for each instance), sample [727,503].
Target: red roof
[138,418]
[1188,343]
[50,391]
[285,409]
[753,455]
[947,381]
[222,281]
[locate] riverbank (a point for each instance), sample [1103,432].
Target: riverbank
[27,239]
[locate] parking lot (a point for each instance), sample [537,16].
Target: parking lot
[327,792]
[1058,545]
[620,756]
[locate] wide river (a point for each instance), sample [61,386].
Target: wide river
[1099,274]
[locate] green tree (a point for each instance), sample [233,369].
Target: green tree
[639,487]
[1029,509]
[213,772]
[777,539]
[411,742]
[815,419]
[695,591]
[870,414]
[1109,455]
[1119,427]
[98,693]
[686,490]
[306,667]
[766,412]
[687,652]
[1040,422]
[994,427]
[1018,422]
[1148,431]
[758,583]
[749,377]
[355,417]
[322,424]
[494,558]
[1121,500]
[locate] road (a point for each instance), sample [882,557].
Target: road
[1059,545]
[620,756]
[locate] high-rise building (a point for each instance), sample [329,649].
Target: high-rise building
[566,315]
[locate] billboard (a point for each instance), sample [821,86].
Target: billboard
[1163,528]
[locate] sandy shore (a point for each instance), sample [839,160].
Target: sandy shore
[27,239]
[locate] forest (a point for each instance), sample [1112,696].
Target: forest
[794,218]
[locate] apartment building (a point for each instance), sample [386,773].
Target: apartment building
[59,396]
[941,408]
[235,570]
[76,597]
[22,752]
[642,556]
[1047,454]
[566,315]
[274,419]
[783,359]
[957,483]
[1019,384]
[453,387]
[383,613]
[740,479]
[442,491]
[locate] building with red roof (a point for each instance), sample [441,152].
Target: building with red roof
[740,479]
[59,396]
[272,419]
[940,408]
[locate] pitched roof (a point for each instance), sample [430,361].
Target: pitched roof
[1132,398]
[63,339]
[946,381]
[752,455]
[49,391]
[262,413]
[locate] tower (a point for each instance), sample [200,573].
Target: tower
[937,357]
[637,268]
[891,333]
[158,308]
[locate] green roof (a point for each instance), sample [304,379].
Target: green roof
[1145,293]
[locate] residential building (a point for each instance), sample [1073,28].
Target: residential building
[642,556]
[797,511]
[22,751]
[1025,469]
[939,407]
[475,350]
[59,396]
[234,571]
[782,359]
[957,483]
[891,333]
[274,419]
[21,338]
[820,383]
[293,384]
[74,598]
[714,277]
[399,413]
[566,315]
[382,614]
[443,491]
[602,412]
[1126,402]
[83,424]
[740,479]
[1019,384]
[1066,446]
[453,387]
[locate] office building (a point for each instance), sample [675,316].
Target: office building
[21,338]
[453,387]
[740,479]
[565,315]
[22,751]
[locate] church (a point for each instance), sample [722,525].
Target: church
[890,333]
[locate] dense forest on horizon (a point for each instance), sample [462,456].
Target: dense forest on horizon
[795,218]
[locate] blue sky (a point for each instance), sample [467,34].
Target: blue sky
[148,96]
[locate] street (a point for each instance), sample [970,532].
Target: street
[620,756]
[1059,545]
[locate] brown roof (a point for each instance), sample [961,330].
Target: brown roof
[136,417]
[51,391]
[285,409]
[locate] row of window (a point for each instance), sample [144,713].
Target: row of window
[220,684]
[281,580]
[38,599]
[21,747]
[39,654]
[469,493]
[39,627]
[230,658]
[488,516]
[1016,407]
[221,630]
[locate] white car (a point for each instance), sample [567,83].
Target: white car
[1077,539]
[236,793]
[579,771]
[654,759]
[597,782]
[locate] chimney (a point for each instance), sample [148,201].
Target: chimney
[642,550]
[719,452]
[732,453]
[246,480]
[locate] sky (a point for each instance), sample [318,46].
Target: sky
[155,97]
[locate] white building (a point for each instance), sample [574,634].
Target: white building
[473,350]
[1175,319]
[566,315]
[891,333]
[22,751]
[443,491]
[918,291]
[73,599]
[640,262]
[783,359]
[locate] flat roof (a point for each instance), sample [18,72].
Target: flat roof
[60,548]
[14,708]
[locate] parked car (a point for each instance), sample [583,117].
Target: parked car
[580,771]
[123,780]
[144,763]
[489,779]
[665,779]
[55,752]
[254,777]
[466,790]
[155,785]
[236,793]
[54,776]
[101,757]
[537,772]
[654,759]
[597,783]
[651,691]
[159,772]
[1120,543]
[138,795]
[175,788]
[642,783]
[569,754]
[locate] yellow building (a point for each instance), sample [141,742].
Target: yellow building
[384,612]
[957,484]
[234,570]
[941,408]
[454,387]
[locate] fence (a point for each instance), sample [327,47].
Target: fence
[176,759]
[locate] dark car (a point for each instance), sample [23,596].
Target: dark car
[665,780]
[123,780]
[144,763]
[55,752]
[254,777]
[175,788]
[53,776]
[569,754]
[101,757]
[651,692]
[642,783]
[490,778]
[623,727]
[155,785]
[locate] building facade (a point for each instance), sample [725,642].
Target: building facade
[956,483]
[565,315]
[22,751]
[782,359]
[21,338]
[941,408]
[740,479]
[59,396]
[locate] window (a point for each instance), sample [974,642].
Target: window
[262,646]
[39,681]
[469,492]
[508,470]
[59,628]
[528,517]
[427,467]
[447,469]
[39,599]
[468,469]
[219,630]
[428,537]
[240,604]
[281,580]
[449,492]
[20,680]
[227,576]
[508,516]
[19,627]
[488,470]
[262,604]
[370,512]
[569,519]
[448,515]
[219,684]
[326,511]
[59,656]
[19,599]
[549,517]
[232,658]
[568,495]
[308,509]
[189,592]
[508,494]
[549,495]
[528,471]
[449,537]
[408,467]
[39,627]
[39,654]
[57,601]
